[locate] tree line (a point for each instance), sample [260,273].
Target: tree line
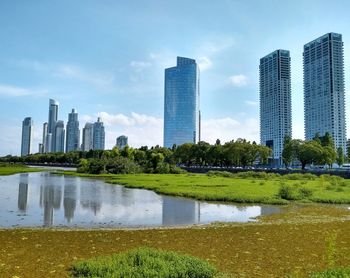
[320,151]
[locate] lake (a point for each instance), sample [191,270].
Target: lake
[46,199]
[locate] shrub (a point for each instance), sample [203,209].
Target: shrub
[224,174]
[305,192]
[297,176]
[144,262]
[288,192]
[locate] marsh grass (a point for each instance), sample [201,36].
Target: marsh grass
[144,262]
[247,187]
[10,169]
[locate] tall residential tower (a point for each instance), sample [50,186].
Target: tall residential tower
[53,114]
[88,137]
[27,136]
[73,132]
[181,103]
[324,100]
[275,102]
[99,135]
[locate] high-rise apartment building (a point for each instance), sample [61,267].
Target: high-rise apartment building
[122,141]
[44,142]
[275,102]
[88,138]
[73,132]
[59,136]
[53,114]
[324,100]
[181,103]
[99,135]
[27,136]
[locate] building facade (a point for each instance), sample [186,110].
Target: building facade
[88,138]
[324,100]
[27,136]
[181,103]
[53,114]
[59,136]
[122,141]
[73,132]
[275,102]
[99,135]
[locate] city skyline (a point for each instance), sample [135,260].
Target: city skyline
[109,74]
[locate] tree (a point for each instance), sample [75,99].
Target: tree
[340,156]
[309,152]
[287,153]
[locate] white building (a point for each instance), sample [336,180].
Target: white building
[275,102]
[324,100]
[88,138]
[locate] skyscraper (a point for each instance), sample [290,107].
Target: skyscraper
[73,132]
[27,135]
[59,136]
[88,138]
[53,114]
[99,135]
[324,101]
[275,101]
[122,141]
[181,103]
[44,143]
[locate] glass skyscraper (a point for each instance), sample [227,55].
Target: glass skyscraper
[275,101]
[181,103]
[73,132]
[99,135]
[324,100]
[59,136]
[122,141]
[27,136]
[88,137]
[53,114]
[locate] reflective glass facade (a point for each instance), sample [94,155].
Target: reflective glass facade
[73,132]
[181,103]
[324,100]
[27,136]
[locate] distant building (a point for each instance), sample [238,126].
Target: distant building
[27,136]
[275,102]
[73,132]
[59,136]
[99,135]
[53,114]
[181,103]
[324,89]
[41,148]
[88,139]
[44,142]
[122,141]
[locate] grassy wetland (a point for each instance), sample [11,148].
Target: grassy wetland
[309,239]
[10,169]
[245,187]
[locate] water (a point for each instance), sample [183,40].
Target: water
[49,200]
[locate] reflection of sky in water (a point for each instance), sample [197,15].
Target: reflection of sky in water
[43,199]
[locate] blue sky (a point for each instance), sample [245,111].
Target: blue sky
[107,58]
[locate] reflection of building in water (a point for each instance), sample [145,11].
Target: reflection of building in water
[178,211]
[23,192]
[70,200]
[50,199]
[90,197]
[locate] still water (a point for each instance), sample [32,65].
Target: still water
[49,200]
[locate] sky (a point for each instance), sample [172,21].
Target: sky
[107,59]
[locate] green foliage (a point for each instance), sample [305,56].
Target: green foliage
[288,192]
[333,273]
[144,262]
[9,169]
[340,156]
[297,176]
[220,174]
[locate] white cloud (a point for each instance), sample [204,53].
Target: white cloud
[217,45]
[228,128]
[204,63]
[239,80]
[251,103]
[140,65]
[15,91]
